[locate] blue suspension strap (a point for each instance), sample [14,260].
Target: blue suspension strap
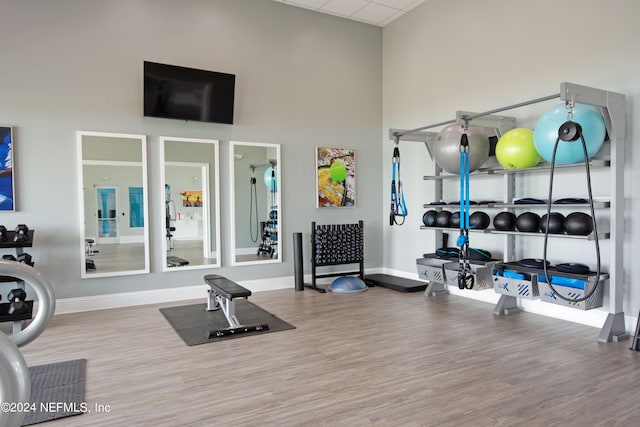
[398,206]
[465,276]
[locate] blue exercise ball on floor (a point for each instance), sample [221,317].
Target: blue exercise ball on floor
[348,285]
[545,134]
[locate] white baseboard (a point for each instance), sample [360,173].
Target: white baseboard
[183,293]
[594,318]
[156,296]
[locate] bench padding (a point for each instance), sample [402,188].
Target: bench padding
[225,287]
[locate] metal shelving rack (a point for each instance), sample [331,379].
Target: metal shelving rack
[612,106]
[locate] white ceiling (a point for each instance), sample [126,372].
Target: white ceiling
[376,12]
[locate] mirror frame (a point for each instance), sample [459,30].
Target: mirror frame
[214,221]
[232,168]
[81,202]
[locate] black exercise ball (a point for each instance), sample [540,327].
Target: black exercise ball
[479,220]
[505,221]
[528,222]
[578,223]
[429,218]
[455,219]
[556,223]
[443,219]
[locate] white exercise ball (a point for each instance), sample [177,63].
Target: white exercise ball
[446,150]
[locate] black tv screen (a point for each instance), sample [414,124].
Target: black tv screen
[174,92]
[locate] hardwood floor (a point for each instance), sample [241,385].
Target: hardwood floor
[117,257]
[377,358]
[190,250]
[130,256]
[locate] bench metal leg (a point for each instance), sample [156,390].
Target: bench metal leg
[212,301]
[228,306]
[229,309]
[222,295]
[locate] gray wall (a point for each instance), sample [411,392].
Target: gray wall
[449,55]
[303,80]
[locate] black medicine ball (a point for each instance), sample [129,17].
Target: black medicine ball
[556,223]
[429,218]
[578,223]
[479,220]
[443,219]
[505,221]
[528,222]
[455,219]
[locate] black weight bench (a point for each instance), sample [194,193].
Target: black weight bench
[222,294]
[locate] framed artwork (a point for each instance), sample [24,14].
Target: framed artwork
[191,198]
[335,177]
[7,187]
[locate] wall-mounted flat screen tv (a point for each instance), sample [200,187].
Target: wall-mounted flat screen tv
[174,92]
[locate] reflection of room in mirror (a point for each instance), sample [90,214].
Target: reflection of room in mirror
[190,250]
[110,258]
[190,176]
[114,204]
[256,181]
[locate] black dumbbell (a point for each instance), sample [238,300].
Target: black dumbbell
[8,257]
[21,233]
[17,294]
[17,305]
[25,258]
[17,308]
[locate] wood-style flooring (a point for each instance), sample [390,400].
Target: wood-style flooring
[377,358]
[110,258]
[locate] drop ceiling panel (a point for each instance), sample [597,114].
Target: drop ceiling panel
[343,7]
[376,12]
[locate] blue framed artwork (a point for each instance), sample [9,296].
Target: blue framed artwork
[7,199]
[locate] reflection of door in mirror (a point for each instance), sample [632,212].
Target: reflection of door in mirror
[256,203]
[114,204]
[107,231]
[190,175]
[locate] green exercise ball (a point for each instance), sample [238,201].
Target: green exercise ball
[338,171]
[516,149]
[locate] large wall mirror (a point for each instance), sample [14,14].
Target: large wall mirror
[255,188]
[113,204]
[190,203]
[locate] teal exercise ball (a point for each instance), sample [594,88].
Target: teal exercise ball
[446,150]
[271,179]
[545,134]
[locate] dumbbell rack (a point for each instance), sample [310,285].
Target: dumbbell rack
[8,243]
[336,244]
